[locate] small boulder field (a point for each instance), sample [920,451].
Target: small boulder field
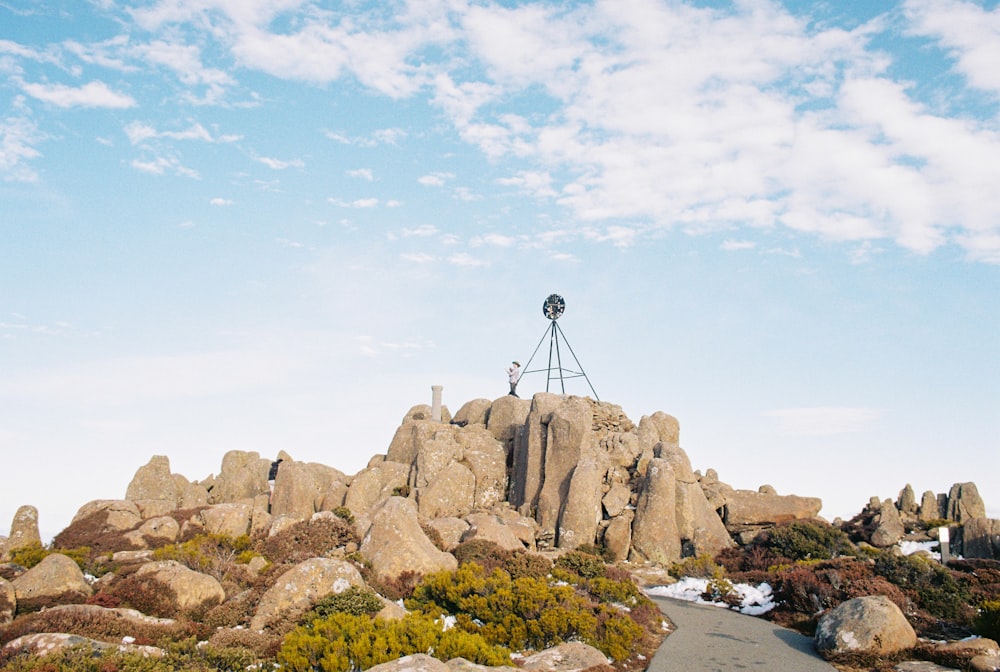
[516,534]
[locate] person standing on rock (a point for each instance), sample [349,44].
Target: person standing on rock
[271,475]
[514,375]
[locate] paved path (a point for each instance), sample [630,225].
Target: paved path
[713,639]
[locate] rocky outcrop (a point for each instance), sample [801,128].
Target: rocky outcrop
[300,488]
[155,530]
[475,412]
[231,519]
[395,542]
[418,662]
[114,514]
[491,527]
[23,532]
[44,643]
[55,578]
[194,591]
[301,587]
[871,625]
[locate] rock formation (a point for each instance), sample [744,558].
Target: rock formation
[871,625]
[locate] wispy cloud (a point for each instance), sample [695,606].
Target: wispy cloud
[19,136]
[221,201]
[824,420]
[279,164]
[162,165]
[466,260]
[435,179]
[362,173]
[91,94]
[138,132]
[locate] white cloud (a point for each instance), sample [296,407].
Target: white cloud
[185,61]
[362,173]
[731,245]
[418,257]
[421,231]
[221,201]
[19,136]
[91,94]
[435,179]
[279,164]
[467,260]
[494,239]
[970,33]
[365,203]
[161,165]
[824,420]
[138,132]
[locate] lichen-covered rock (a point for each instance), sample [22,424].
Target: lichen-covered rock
[395,542]
[452,492]
[450,530]
[493,528]
[566,657]
[23,532]
[56,576]
[581,510]
[302,586]
[871,625]
[373,486]
[43,643]
[195,591]
[162,528]
[463,665]
[569,441]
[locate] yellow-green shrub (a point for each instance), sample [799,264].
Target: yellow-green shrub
[342,642]
[988,619]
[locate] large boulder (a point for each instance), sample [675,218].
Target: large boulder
[871,625]
[475,412]
[112,515]
[43,643]
[55,579]
[154,481]
[300,488]
[930,507]
[618,536]
[155,530]
[195,591]
[654,531]
[372,486]
[491,527]
[231,518]
[243,476]
[698,525]
[395,542]
[301,587]
[981,538]
[888,527]
[746,507]
[964,503]
[23,532]
[506,417]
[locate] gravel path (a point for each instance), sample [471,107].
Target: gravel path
[713,639]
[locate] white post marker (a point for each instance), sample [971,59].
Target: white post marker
[436,402]
[943,540]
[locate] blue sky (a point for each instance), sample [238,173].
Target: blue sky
[274,224]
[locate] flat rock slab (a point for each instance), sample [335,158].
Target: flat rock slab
[713,639]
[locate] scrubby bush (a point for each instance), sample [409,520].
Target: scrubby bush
[987,622]
[214,554]
[932,586]
[354,601]
[94,533]
[344,514]
[307,539]
[342,642]
[806,540]
[487,554]
[700,566]
[524,564]
[581,564]
[147,594]
[392,587]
